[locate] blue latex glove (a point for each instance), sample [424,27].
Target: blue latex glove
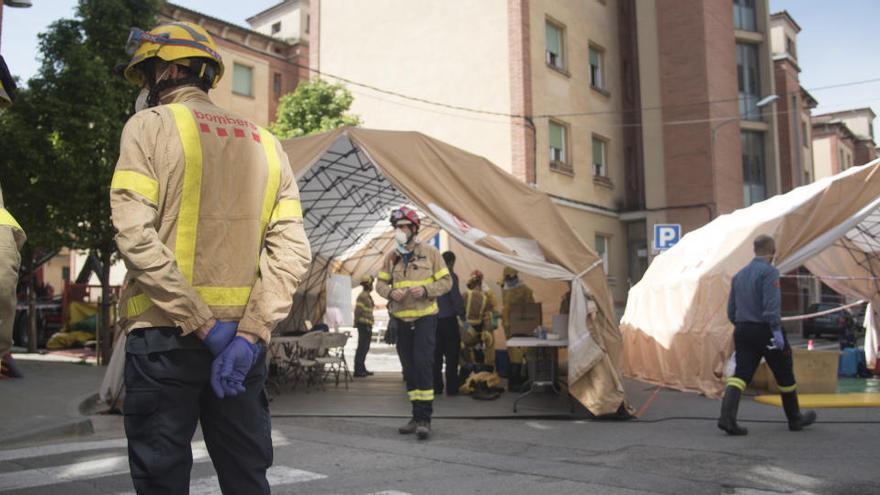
[230,367]
[220,335]
[778,339]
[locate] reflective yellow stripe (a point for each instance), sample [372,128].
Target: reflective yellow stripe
[421,395]
[365,321]
[790,388]
[736,382]
[136,182]
[479,319]
[190,196]
[287,209]
[417,313]
[273,178]
[442,273]
[213,296]
[6,219]
[137,305]
[364,307]
[384,276]
[403,284]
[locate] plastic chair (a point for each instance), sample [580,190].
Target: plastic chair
[333,357]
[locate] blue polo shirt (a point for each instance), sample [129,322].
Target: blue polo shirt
[754,295]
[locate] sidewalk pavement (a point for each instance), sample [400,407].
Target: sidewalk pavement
[46,402]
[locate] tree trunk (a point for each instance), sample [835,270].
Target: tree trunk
[32,302]
[105,338]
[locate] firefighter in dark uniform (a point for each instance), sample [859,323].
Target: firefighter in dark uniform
[753,308]
[413,276]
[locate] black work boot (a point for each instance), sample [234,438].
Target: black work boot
[796,420]
[423,430]
[408,428]
[514,378]
[729,408]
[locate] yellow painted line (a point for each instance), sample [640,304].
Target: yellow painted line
[826,400]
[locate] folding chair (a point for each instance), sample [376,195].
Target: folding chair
[309,347]
[333,359]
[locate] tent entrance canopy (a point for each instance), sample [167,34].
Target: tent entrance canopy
[350,179]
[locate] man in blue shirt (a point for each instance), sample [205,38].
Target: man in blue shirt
[448,336]
[753,308]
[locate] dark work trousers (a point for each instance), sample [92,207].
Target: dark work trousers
[447,347]
[751,341]
[415,346]
[168,392]
[365,336]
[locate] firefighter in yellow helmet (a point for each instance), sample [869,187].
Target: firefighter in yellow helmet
[363,320]
[11,240]
[478,345]
[513,292]
[210,228]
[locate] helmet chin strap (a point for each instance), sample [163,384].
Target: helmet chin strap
[157,88]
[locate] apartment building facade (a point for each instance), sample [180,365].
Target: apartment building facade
[259,68]
[860,121]
[793,107]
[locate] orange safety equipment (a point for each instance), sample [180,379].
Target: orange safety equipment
[405,214]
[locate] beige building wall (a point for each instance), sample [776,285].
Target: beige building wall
[254,107]
[778,32]
[822,157]
[588,225]
[453,52]
[558,93]
[807,152]
[292,19]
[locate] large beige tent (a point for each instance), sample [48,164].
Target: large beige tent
[675,325]
[351,178]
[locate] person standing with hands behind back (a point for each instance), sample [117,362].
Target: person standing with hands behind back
[413,276]
[753,308]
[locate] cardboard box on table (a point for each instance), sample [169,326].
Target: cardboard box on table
[814,371]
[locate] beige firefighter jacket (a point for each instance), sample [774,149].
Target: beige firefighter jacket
[363,311]
[478,307]
[427,269]
[520,294]
[12,236]
[208,217]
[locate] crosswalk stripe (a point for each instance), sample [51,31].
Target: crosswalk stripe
[61,448]
[276,475]
[109,466]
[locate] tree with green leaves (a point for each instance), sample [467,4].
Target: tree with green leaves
[316,106]
[73,111]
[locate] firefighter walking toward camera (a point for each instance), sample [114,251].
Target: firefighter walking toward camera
[754,309]
[413,276]
[210,228]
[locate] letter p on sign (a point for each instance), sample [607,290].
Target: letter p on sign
[666,235]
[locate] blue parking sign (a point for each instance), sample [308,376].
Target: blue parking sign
[666,235]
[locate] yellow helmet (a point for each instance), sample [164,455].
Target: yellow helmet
[173,42]
[510,272]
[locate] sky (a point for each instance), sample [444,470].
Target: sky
[837,45]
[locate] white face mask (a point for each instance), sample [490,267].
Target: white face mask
[141,102]
[401,237]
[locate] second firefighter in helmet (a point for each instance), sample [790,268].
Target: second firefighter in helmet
[514,292]
[478,344]
[363,320]
[412,277]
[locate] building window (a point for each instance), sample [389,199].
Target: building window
[805,136]
[602,242]
[871,130]
[276,28]
[308,22]
[600,158]
[276,83]
[790,48]
[849,162]
[749,80]
[744,16]
[555,45]
[242,80]
[558,145]
[597,68]
[754,169]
